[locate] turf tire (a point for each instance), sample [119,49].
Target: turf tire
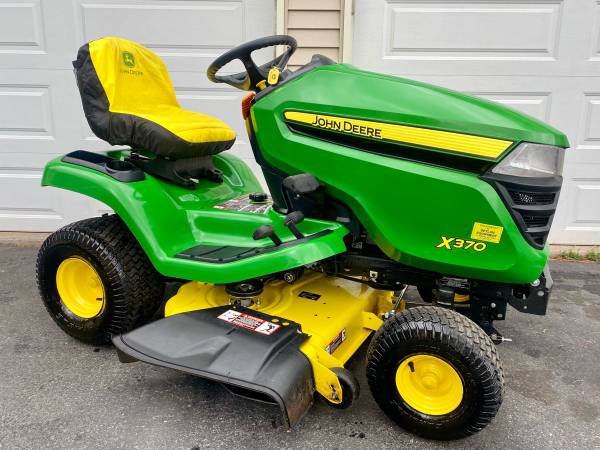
[456,339]
[133,288]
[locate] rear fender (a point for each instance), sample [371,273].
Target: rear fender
[167,219]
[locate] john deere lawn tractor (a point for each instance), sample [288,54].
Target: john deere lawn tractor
[374,183]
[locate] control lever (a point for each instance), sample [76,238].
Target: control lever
[291,220]
[266,231]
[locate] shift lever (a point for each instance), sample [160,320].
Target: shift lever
[291,220]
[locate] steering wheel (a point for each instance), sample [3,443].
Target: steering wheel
[254,76]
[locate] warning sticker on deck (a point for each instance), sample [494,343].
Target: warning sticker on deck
[249,322]
[333,345]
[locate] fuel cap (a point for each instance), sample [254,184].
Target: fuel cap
[258,197]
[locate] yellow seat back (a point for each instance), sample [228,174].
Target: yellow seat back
[128,99]
[134,78]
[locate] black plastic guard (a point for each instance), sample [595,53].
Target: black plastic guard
[200,343]
[539,296]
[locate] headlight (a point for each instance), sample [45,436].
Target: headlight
[532,160]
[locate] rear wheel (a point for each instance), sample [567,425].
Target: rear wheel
[435,373]
[95,280]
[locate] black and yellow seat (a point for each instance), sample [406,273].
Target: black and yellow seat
[128,99]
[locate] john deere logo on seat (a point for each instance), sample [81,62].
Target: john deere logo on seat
[128,59]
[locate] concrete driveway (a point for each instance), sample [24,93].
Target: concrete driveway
[57,393]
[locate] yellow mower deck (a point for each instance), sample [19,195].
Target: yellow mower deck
[337,315]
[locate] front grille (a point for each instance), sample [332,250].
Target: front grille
[532,198]
[535,221]
[531,202]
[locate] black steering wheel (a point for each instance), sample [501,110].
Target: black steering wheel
[253,79]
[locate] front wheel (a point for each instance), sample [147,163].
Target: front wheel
[435,373]
[95,279]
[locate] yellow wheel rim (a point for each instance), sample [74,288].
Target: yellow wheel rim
[80,287]
[429,385]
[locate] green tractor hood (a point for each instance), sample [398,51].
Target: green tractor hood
[344,90]
[407,159]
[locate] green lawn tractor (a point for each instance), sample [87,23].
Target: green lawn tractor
[374,183]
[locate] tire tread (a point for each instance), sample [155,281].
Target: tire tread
[457,332]
[136,288]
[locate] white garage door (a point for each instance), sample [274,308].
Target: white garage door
[40,112]
[539,56]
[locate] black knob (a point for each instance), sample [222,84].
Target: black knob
[266,231]
[291,220]
[258,197]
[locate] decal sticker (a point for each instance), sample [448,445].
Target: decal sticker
[309,295]
[129,62]
[486,232]
[445,140]
[458,243]
[128,59]
[249,322]
[333,345]
[243,203]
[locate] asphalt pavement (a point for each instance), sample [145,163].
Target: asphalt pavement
[57,393]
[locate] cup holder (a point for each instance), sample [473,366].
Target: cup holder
[116,165]
[124,171]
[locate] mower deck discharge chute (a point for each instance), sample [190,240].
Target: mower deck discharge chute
[264,367]
[374,183]
[258,351]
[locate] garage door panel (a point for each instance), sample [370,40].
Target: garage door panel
[190,60]
[476,30]
[534,97]
[26,115]
[21,28]
[590,132]
[581,203]
[26,205]
[469,37]
[36,34]
[25,110]
[39,111]
[53,209]
[585,204]
[596,33]
[32,203]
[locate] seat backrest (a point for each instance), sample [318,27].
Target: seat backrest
[116,75]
